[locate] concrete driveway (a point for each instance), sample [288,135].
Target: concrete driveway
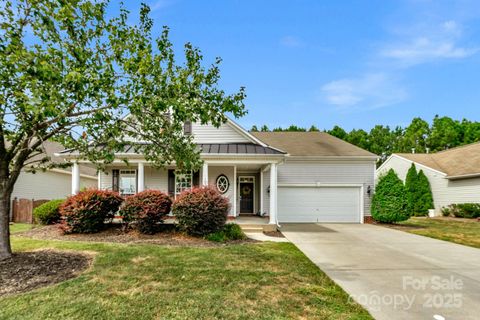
[394,274]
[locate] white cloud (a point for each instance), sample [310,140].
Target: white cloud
[370,91]
[160,4]
[429,44]
[290,41]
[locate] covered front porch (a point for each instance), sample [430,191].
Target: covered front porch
[249,184]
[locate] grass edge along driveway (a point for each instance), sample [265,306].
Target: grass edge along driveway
[249,281]
[461,231]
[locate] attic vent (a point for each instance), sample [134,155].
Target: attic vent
[187,128]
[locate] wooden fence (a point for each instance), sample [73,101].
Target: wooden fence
[22,209]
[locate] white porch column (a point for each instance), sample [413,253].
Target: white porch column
[273,194]
[75,178]
[141,177]
[261,191]
[205,174]
[235,202]
[99,180]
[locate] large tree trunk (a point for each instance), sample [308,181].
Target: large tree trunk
[5,248]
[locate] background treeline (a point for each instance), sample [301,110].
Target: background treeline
[442,134]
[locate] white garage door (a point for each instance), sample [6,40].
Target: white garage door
[318,204]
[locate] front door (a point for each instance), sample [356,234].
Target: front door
[246,197]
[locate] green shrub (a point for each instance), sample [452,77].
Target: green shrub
[419,193]
[201,211]
[146,210]
[48,212]
[87,211]
[231,231]
[411,189]
[446,212]
[425,196]
[464,210]
[389,203]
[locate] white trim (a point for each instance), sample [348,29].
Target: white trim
[409,161]
[99,180]
[205,174]
[234,191]
[140,177]
[360,187]
[245,133]
[336,158]
[82,175]
[75,178]
[254,191]
[261,191]
[273,194]
[463,176]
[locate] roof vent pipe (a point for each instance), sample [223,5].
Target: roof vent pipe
[428,150]
[413,150]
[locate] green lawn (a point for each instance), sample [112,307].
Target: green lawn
[243,281]
[462,231]
[19,227]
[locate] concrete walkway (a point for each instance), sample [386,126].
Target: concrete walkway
[394,274]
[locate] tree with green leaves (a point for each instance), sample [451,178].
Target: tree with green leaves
[389,203]
[254,128]
[264,128]
[411,188]
[69,74]
[338,132]
[445,134]
[425,198]
[415,136]
[313,128]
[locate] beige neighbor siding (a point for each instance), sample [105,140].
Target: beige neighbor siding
[444,191]
[330,172]
[47,185]
[210,134]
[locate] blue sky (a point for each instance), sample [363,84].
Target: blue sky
[351,63]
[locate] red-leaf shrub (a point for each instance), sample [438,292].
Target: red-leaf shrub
[201,211]
[146,210]
[87,211]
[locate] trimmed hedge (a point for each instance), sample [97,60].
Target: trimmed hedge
[389,203]
[48,212]
[201,211]
[87,211]
[146,210]
[462,210]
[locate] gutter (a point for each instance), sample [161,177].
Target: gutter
[463,176]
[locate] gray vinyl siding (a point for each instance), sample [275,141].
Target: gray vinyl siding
[47,185]
[330,172]
[156,179]
[266,195]
[210,134]
[444,191]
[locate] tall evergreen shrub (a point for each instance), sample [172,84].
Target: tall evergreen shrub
[389,203]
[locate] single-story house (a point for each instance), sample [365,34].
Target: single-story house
[289,176]
[454,174]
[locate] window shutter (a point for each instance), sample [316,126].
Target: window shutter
[196,179]
[187,128]
[115,179]
[171,182]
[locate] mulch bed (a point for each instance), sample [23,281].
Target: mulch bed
[26,271]
[115,234]
[276,234]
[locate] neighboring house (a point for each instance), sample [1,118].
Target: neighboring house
[290,176]
[454,174]
[52,183]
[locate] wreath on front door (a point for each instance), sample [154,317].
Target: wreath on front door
[222,183]
[246,190]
